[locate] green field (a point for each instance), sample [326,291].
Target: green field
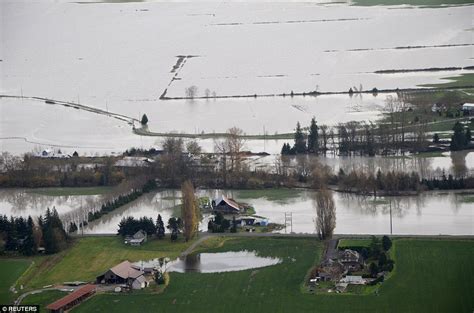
[91,256]
[430,276]
[10,271]
[44,298]
[455,81]
[273,194]
[344,243]
[73,191]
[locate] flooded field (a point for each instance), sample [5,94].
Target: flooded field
[430,213]
[213,262]
[24,202]
[121,57]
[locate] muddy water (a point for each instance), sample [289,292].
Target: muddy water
[120,57]
[426,214]
[213,262]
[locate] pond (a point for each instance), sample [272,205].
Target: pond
[213,262]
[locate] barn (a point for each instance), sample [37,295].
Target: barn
[226,206]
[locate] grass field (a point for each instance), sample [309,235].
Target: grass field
[343,243]
[73,191]
[461,80]
[430,276]
[280,194]
[44,298]
[10,271]
[90,256]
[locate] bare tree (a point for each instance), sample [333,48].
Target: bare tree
[235,145]
[193,147]
[207,93]
[191,92]
[326,214]
[189,211]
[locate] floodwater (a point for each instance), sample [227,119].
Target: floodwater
[121,57]
[430,213]
[213,262]
[24,202]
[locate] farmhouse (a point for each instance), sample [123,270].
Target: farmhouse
[351,260]
[226,206]
[468,107]
[138,238]
[124,273]
[76,297]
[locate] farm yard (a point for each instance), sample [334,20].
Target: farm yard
[278,287]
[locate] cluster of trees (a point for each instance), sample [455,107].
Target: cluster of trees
[367,183]
[33,172]
[307,143]
[448,183]
[25,236]
[121,200]
[219,224]
[128,226]
[461,137]
[377,253]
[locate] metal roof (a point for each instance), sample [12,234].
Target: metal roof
[71,297]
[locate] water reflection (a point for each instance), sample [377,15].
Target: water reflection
[213,262]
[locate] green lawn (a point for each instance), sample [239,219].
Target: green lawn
[44,298]
[10,271]
[274,194]
[91,256]
[430,276]
[344,243]
[72,191]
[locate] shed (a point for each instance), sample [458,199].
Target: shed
[226,205]
[468,107]
[72,299]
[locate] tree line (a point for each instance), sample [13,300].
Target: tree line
[25,236]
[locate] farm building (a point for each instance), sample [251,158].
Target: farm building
[226,206]
[124,273]
[251,221]
[138,238]
[469,107]
[72,299]
[354,280]
[351,260]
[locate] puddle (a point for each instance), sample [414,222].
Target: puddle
[213,262]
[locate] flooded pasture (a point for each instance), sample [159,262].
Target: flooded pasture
[87,53]
[213,262]
[430,213]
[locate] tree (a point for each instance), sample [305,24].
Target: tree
[191,92]
[436,138]
[233,229]
[235,144]
[326,214]
[193,147]
[373,269]
[144,120]
[189,211]
[300,143]
[160,227]
[386,243]
[174,225]
[458,139]
[313,143]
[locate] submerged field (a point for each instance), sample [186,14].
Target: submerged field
[431,276]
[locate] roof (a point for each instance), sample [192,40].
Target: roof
[228,201]
[468,105]
[352,279]
[139,234]
[71,297]
[126,270]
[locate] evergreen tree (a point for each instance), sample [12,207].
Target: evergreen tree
[29,245]
[468,136]
[160,227]
[313,138]
[144,120]
[300,143]
[458,139]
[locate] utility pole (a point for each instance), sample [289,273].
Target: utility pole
[289,221]
[391,227]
